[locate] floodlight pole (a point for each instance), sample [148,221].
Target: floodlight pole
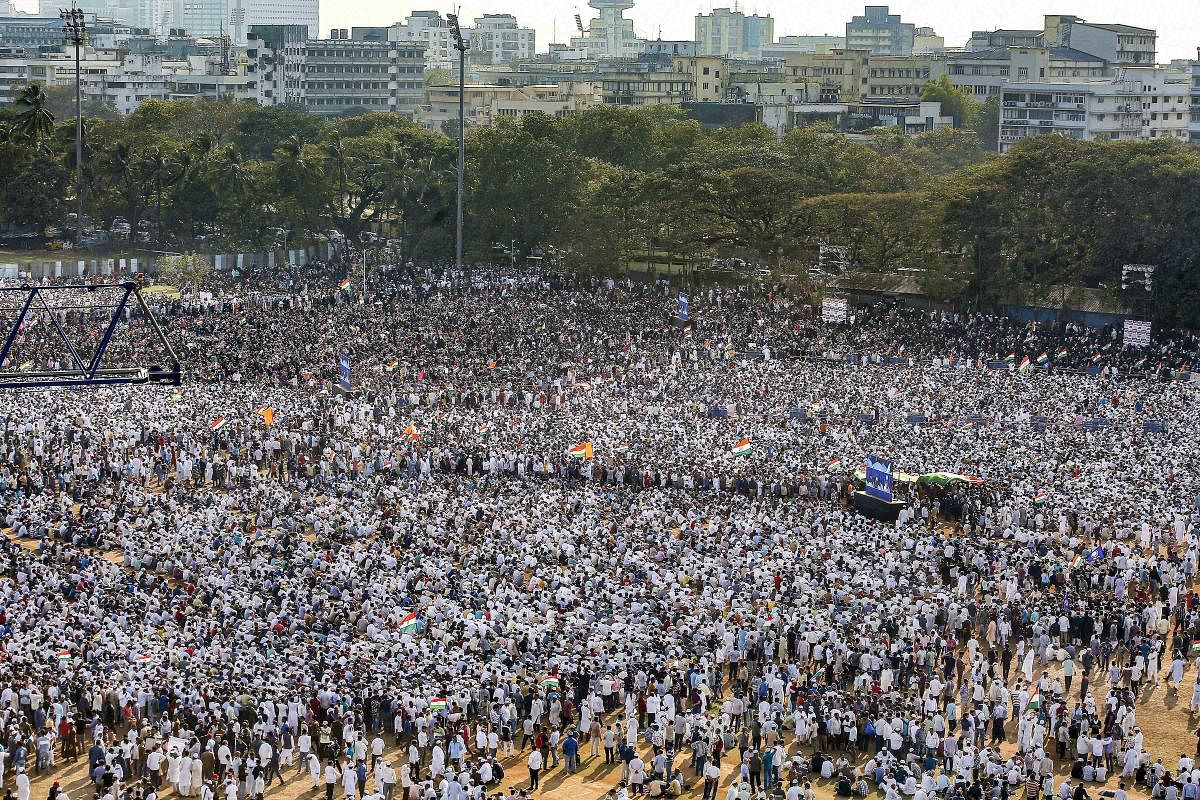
[461,47]
[75,33]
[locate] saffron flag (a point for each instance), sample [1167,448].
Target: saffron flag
[581,451]
[267,413]
[742,448]
[410,433]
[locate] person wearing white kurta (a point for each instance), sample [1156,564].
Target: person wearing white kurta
[314,770]
[185,776]
[173,769]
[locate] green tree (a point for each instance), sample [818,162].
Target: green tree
[520,189]
[956,102]
[181,269]
[986,122]
[36,197]
[34,120]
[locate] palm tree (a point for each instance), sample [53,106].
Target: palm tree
[230,171]
[34,120]
[297,173]
[159,169]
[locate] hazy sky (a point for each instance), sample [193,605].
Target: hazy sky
[1177,21]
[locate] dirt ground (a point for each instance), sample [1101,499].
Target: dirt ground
[1162,715]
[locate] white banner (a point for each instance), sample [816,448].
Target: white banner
[835,309]
[1137,333]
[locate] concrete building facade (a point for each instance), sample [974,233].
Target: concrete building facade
[345,75]
[879,32]
[727,32]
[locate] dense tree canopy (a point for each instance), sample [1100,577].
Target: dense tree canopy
[608,185]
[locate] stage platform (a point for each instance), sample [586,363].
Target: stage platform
[875,508]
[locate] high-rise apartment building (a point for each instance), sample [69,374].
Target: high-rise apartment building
[727,32]
[497,39]
[880,33]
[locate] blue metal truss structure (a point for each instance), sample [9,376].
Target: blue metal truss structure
[85,370]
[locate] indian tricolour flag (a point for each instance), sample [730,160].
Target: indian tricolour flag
[1061,354]
[437,704]
[1040,497]
[144,658]
[63,656]
[218,423]
[742,448]
[1077,561]
[581,451]
[1043,358]
[1024,365]
[409,623]
[1196,646]
[550,683]
[1035,700]
[833,463]
[345,284]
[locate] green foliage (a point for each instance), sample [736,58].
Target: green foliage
[608,185]
[986,122]
[956,102]
[181,269]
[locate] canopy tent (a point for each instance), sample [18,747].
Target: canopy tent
[935,478]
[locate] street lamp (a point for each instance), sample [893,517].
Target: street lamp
[461,47]
[75,33]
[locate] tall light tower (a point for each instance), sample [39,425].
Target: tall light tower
[75,33]
[461,47]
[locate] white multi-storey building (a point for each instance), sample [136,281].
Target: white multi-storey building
[1104,109]
[1194,128]
[14,72]
[497,39]
[1143,104]
[727,32]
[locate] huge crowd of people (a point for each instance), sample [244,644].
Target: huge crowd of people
[552,524]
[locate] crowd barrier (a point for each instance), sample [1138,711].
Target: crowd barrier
[70,266]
